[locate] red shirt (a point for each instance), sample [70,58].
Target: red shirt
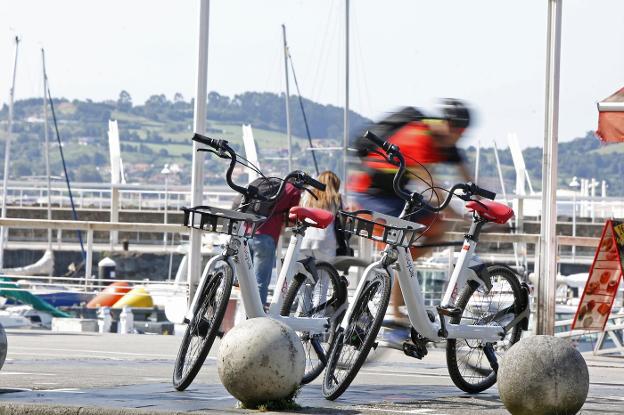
[417,145]
[273,225]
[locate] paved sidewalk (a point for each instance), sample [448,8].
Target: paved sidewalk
[113,374]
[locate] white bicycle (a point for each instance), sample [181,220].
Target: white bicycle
[309,297]
[483,310]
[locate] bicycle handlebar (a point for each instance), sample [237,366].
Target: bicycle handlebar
[222,147]
[313,182]
[395,157]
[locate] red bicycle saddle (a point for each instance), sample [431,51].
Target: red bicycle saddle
[492,211]
[318,218]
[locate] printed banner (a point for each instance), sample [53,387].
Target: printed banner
[603,281]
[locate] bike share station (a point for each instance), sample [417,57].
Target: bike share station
[355,336]
[466,356]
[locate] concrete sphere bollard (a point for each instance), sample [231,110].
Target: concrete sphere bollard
[261,360]
[542,375]
[4,345]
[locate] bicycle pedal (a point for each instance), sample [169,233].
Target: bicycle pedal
[449,311]
[220,334]
[375,345]
[414,350]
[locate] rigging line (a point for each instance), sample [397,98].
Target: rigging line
[322,57]
[305,119]
[362,65]
[71,197]
[271,75]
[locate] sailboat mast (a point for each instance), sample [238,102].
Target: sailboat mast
[7,152]
[346,108]
[46,148]
[287,100]
[477,158]
[500,172]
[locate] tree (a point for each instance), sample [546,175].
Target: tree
[87,174]
[22,168]
[124,102]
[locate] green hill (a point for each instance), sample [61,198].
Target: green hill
[159,130]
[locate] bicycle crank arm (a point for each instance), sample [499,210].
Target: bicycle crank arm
[318,349]
[488,350]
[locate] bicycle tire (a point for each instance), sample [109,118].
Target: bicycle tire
[476,379]
[211,308]
[302,294]
[333,387]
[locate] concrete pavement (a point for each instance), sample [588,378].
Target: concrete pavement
[113,374]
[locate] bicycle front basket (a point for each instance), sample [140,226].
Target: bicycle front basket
[226,221]
[380,227]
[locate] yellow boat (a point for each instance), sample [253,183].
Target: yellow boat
[137,297]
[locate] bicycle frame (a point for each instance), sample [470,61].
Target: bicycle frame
[414,299]
[238,256]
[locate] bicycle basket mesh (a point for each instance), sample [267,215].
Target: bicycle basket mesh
[364,224]
[225,221]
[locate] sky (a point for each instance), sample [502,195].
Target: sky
[402,52]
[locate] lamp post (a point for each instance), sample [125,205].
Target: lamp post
[574,184]
[593,185]
[166,171]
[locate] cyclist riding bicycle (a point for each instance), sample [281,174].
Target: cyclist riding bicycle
[424,142]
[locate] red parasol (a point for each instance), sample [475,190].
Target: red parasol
[611,118]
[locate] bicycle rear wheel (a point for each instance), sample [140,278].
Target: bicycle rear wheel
[469,365]
[321,299]
[351,346]
[203,328]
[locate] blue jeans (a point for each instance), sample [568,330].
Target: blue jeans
[262,249]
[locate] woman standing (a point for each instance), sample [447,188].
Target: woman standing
[321,243]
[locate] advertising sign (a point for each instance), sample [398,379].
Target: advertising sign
[603,281]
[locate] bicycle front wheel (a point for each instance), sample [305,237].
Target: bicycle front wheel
[321,299]
[203,328]
[472,362]
[351,346]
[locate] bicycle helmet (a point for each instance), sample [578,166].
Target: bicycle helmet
[456,112]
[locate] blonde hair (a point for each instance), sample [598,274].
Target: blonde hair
[330,199]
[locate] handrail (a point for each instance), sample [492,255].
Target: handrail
[530,238]
[91,225]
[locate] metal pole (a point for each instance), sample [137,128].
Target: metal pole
[548,243]
[7,151]
[287,101]
[197,178]
[346,108]
[89,258]
[574,224]
[114,214]
[594,183]
[46,149]
[166,208]
[500,172]
[477,157]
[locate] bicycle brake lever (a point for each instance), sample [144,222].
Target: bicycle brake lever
[311,192]
[222,154]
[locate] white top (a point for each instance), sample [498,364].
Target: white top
[321,242]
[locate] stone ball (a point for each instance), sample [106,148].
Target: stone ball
[261,360]
[4,345]
[542,375]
